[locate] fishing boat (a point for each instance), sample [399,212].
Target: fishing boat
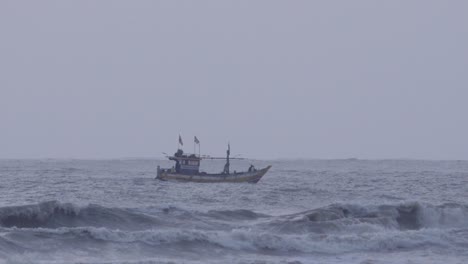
[187,168]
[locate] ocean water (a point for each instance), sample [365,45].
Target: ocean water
[302,211]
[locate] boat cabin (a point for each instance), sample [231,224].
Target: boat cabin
[186,164]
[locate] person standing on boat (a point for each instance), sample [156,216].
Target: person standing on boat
[226,166]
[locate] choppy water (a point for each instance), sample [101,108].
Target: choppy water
[320,211]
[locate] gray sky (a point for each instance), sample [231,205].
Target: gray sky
[278,79]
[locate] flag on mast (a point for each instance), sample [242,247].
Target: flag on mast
[180,141]
[195,139]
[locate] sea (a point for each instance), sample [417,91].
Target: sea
[301,211]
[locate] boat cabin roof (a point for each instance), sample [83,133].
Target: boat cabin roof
[179,155]
[184,158]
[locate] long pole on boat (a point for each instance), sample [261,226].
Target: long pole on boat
[196,142]
[180,142]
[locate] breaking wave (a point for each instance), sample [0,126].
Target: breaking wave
[346,217]
[338,228]
[406,216]
[54,214]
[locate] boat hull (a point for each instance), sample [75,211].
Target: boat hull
[251,177]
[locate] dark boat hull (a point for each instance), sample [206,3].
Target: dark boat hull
[251,177]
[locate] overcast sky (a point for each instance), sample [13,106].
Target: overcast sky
[278,79]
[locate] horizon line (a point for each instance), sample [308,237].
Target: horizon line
[246,158]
